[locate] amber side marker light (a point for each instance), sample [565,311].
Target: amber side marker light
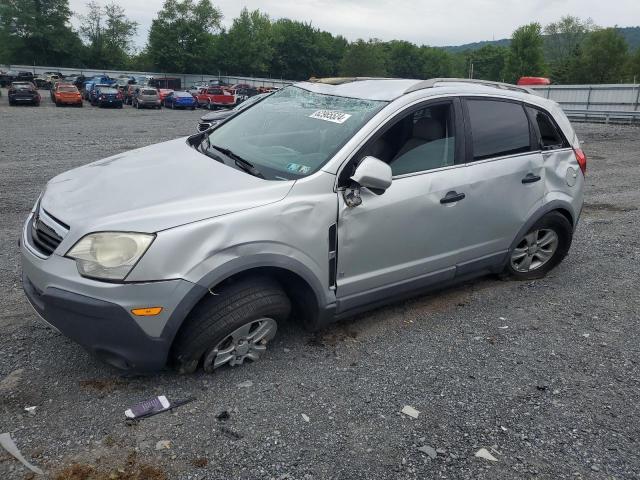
[146,312]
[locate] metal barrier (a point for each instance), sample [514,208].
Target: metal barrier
[603,116]
[610,98]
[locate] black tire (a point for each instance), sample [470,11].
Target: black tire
[559,224]
[217,316]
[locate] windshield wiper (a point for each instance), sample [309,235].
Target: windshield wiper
[240,162]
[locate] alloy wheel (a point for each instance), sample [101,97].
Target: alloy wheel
[247,342]
[535,250]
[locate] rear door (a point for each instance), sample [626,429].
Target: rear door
[506,171]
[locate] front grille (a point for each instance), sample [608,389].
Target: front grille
[43,237]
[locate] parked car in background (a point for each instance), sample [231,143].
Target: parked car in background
[89,84]
[46,79]
[215,97]
[142,80]
[524,81]
[195,87]
[67,94]
[23,93]
[77,80]
[108,97]
[11,76]
[146,97]
[180,100]
[243,92]
[123,82]
[93,93]
[213,118]
[163,92]
[52,88]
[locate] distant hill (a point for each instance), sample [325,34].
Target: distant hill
[631,35]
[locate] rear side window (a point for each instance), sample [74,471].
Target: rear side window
[498,128]
[550,136]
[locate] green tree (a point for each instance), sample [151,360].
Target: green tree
[301,51]
[108,33]
[38,32]
[633,68]
[563,43]
[249,40]
[603,58]
[181,38]
[437,63]
[364,59]
[405,60]
[526,56]
[489,62]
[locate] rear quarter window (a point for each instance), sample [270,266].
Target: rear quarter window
[548,131]
[498,128]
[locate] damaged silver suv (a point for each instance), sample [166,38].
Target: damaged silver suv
[321,200]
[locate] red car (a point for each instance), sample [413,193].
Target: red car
[215,97]
[163,92]
[524,81]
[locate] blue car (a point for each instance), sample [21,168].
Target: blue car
[89,84]
[107,97]
[180,100]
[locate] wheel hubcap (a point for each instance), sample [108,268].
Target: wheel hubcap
[247,342]
[535,250]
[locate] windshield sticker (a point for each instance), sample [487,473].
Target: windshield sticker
[297,168]
[334,116]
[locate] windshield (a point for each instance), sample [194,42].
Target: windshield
[183,94]
[67,88]
[149,92]
[294,132]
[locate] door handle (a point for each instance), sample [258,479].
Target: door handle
[452,197]
[530,178]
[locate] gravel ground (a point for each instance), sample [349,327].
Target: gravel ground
[542,374]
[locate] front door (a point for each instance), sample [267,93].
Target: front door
[414,233]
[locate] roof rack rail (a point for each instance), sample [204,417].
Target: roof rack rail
[341,80]
[487,83]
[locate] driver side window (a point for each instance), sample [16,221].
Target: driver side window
[419,141]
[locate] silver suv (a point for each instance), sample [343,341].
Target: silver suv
[146,97]
[324,199]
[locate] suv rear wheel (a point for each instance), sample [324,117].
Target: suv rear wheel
[540,249]
[231,326]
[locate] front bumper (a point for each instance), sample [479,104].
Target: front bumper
[97,314]
[109,103]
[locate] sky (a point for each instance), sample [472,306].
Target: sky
[428,22]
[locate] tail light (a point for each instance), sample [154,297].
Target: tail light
[582,159]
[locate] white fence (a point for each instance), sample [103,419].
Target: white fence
[186,79]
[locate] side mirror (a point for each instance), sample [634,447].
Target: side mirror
[373,174]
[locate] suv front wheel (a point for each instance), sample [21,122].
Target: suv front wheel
[231,325]
[540,249]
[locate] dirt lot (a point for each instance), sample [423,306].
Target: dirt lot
[544,375]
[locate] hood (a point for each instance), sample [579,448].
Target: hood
[217,116]
[154,188]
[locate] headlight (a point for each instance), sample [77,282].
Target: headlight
[109,255]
